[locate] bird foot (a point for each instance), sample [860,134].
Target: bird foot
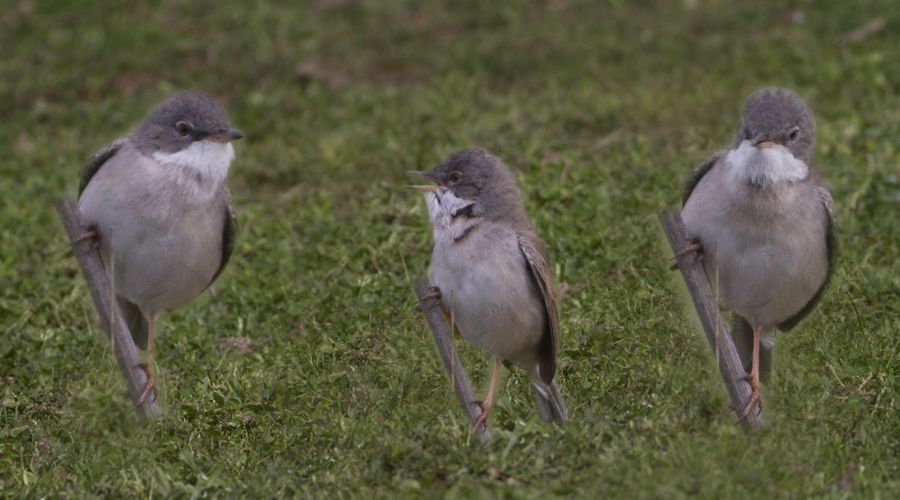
[695,248]
[754,397]
[485,413]
[149,386]
[433,293]
[90,234]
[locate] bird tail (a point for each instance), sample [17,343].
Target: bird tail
[136,322]
[550,402]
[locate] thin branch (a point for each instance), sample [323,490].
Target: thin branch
[431,307]
[873,27]
[717,333]
[104,302]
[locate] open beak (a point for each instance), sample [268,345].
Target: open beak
[227,135]
[425,188]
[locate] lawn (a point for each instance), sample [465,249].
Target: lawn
[601,108]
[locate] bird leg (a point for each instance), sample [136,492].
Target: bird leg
[695,247]
[753,378]
[150,385]
[488,402]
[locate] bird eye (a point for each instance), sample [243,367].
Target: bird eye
[455,177]
[183,128]
[794,133]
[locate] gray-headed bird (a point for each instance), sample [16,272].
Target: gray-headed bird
[493,274]
[762,220]
[157,202]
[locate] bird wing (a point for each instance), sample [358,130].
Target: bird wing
[826,204]
[95,162]
[698,174]
[539,269]
[229,233]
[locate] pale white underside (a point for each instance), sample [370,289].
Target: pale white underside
[206,164]
[161,225]
[762,226]
[484,283]
[443,205]
[765,166]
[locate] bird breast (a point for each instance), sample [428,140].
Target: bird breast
[764,250]
[486,287]
[164,246]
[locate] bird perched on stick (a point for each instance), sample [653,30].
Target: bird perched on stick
[492,272]
[157,202]
[762,220]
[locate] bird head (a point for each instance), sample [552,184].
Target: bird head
[775,117]
[472,183]
[189,131]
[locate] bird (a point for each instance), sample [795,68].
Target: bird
[156,204]
[761,220]
[491,271]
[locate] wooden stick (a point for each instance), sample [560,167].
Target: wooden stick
[431,307]
[717,333]
[101,293]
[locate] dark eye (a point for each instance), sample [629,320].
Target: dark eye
[455,177]
[792,135]
[183,128]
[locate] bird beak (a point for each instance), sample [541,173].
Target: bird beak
[426,188]
[764,144]
[227,135]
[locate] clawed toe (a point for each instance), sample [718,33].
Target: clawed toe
[434,293]
[695,248]
[485,413]
[754,398]
[149,385]
[483,418]
[90,234]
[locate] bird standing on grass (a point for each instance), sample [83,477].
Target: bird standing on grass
[492,272]
[157,202]
[762,220]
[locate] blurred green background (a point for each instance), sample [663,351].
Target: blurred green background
[311,372]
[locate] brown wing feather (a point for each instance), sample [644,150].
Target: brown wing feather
[95,162]
[229,233]
[698,174]
[539,268]
[830,247]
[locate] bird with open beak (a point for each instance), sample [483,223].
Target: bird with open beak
[763,223]
[492,273]
[157,202]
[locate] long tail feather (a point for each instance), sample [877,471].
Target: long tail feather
[136,322]
[551,405]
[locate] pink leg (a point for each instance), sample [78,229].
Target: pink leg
[488,402]
[148,367]
[753,378]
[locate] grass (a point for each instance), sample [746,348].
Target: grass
[602,109]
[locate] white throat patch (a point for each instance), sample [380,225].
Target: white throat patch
[765,166]
[443,206]
[207,160]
